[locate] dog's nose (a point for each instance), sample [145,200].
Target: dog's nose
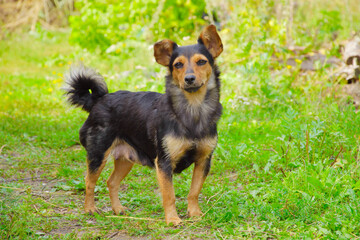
[190,79]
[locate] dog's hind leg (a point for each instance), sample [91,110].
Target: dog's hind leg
[122,167]
[90,182]
[98,150]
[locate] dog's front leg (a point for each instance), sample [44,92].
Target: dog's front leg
[164,175]
[201,170]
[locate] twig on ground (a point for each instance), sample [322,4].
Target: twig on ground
[18,189]
[270,149]
[341,149]
[212,197]
[24,179]
[175,236]
[282,171]
[136,218]
[2,147]
[307,145]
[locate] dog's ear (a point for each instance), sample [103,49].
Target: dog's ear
[163,51]
[211,39]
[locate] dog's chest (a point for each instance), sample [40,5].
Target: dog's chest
[183,152]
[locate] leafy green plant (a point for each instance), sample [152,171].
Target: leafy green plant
[101,24]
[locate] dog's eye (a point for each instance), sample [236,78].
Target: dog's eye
[201,62]
[178,65]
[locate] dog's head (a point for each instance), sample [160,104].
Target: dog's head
[190,66]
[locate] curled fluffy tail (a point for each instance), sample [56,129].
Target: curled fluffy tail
[80,81]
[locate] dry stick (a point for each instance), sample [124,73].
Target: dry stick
[21,179]
[158,220]
[207,202]
[174,237]
[282,171]
[112,235]
[2,147]
[19,189]
[341,149]
[34,191]
[355,237]
[270,150]
[136,218]
[50,202]
[25,179]
[307,145]
[286,154]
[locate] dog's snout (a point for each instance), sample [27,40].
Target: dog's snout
[190,79]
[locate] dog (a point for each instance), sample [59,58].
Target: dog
[168,132]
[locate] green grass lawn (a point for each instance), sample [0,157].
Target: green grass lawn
[286,165]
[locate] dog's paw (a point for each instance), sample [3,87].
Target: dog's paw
[173,221]
[93,210]
[119,210]
[195,212]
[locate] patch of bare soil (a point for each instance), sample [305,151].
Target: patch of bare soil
[66,228]
[122,235]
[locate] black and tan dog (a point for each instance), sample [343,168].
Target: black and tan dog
[167,131]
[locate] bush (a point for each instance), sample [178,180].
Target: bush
[103,23]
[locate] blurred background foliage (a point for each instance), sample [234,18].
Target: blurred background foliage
[105,25]
[101,24]
[274,23]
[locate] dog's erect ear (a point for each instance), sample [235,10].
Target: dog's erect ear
[163,51]
[211,39]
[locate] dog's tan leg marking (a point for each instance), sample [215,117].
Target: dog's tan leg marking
[168,197]
[90,182]
[204,149]
[121,168]
[197,182]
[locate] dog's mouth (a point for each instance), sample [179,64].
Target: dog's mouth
[193,89]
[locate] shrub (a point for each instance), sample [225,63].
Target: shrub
[103,23]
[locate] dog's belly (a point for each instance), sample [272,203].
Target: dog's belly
[123,150]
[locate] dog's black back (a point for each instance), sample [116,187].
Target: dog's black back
[141,119]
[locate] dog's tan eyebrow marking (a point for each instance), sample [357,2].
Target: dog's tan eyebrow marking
[181,59]
[196,57]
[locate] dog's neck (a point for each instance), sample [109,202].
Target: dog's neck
[196,110]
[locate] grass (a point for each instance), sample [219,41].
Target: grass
[286,165]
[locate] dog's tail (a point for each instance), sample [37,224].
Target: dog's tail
[84,87]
